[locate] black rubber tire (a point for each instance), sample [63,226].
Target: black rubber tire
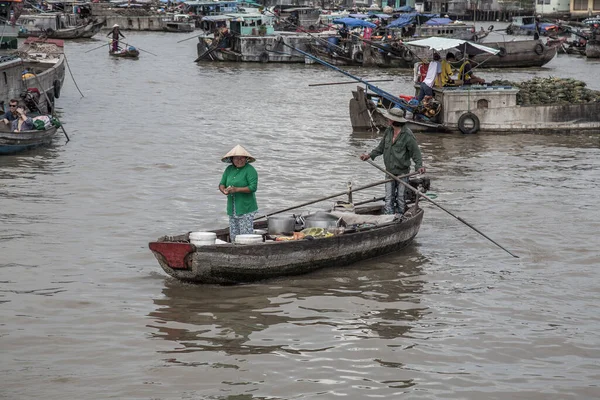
[311,28]
[359,57]
[407,55]
[491,28]
[56,85]
[539,49]
[502,52]
[468,123]
[264,57]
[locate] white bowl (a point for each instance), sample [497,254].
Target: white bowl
[248,239]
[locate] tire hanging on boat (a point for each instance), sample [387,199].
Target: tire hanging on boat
[502,52]
[264,57]
[359,57]
[407,55]
[468,123]
[539,49]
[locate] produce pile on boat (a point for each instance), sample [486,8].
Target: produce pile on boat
[551,91]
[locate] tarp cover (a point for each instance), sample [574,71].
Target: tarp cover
[439,21]
[441,43]
[354,23]
[411,19]
[404,9]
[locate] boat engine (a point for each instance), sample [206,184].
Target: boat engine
[31,97]
[421,184]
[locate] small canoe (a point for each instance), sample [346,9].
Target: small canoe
[126,53]
[229,263]
[16,142]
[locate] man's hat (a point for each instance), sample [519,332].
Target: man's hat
[115,25]
[394,114]
[237,151]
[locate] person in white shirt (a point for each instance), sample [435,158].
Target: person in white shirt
[435,68]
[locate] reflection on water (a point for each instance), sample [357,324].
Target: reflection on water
[379,302]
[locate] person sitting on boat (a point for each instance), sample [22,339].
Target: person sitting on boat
[465,73]
[26,74]
[11,114]
[115,32]
[445,77]
[433,71]
[398,147]
[23,122]
[239,183]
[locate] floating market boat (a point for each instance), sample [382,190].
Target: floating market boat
[16,142]
[235,263]
[32,27]
[549,105]
[180,23]
[539,105]
[38,66]
[592,48]
[128,52]
[511,54]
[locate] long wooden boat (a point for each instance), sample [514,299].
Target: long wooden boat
[513,54]
[16,142]
[125,53]
[235,263]
[485,109]
[45,58]
[75,32]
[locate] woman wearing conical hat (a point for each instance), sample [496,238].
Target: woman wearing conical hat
[239,183]
[116,33]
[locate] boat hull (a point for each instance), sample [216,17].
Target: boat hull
[125,54]
[228,263]
[77,32]
[17,142]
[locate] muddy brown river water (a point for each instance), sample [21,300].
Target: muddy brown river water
[87,313]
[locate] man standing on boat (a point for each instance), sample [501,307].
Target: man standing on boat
[433,71]
[116,32]
[398,146]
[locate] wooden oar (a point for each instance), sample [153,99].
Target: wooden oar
[48,104]
[437,205]
[190,38]
[332,196]
[344,83]
[96,48]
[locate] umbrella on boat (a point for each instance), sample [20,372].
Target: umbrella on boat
[354,23]
[441,43]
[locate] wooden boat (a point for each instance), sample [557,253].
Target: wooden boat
[129,52]
[74,32]
[45,58]
[16,142]
[180,23]
[513,54]
[485,109]
[235,263]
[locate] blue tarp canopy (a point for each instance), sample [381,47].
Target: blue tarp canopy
[439,21]
[359,16]
[380,16]
[354,23]
[411,19]
[404,9]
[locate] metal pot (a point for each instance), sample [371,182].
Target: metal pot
[279,224]
[321,220]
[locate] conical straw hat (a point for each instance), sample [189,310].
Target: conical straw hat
[237,151]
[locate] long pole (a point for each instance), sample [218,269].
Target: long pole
[437,205]
[332,196]
[373,88]
[48,102]
[345,83]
